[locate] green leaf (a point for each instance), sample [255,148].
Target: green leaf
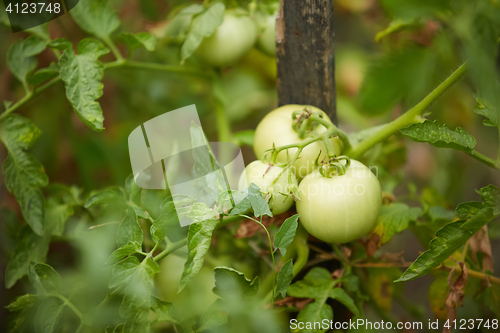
[242,207]
[312,313]
[231,284]
[129,229]
[259,204]
[489,111]
[318,284]
[244,138]
[138,40]
[21,58]
[440,136]
[455,234]
[48,281]
[341,296]
[56,215]
[82,74]
[395,218]
[96,17]
[286,233]
[202,26]
[31,248]
[124,251]
[199,237]
[284,278]
[106,196]
[44,74]
[48,316]
[23,173]
[22,302]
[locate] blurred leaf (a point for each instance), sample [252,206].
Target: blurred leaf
[284,278]
[244,138]
[440,136]
[318,284]
[416,8]
[438,293]
[167,220]
[82,74]
[178,27]
[138,40]
[286,234]
[490,112]
[396,25]
[216,315]
[406,75]
[129,230]
[231,284]
[164,311]
[44,74]
[438,213]
[22,302]
[21,58]
[106,196]
[56,215]
[23,173]
[202,26]
[96,17]
[197,212]
[31,248]
[492,298]
[123,251]
[199,237]
[381,287]
[395,218]
[455,234]
[259,204]
[136,280]
[48,315]
[48,281]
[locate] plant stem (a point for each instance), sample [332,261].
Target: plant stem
[485,159]
[28,97]
[158,67]
[272,255]
[170,248]
[410,117]
[113,48]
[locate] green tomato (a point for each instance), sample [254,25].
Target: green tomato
[229,42]
[342,208]
[276,130]
[263,175]
[266,41]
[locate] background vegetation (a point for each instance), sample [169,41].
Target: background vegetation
[75,170]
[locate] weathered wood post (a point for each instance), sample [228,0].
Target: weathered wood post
[305,54]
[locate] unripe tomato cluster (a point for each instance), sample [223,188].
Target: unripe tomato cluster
[336,209]
[233,39]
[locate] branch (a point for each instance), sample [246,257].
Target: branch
[412,116]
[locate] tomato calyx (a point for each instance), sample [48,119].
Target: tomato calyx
[303,123]
[333,166]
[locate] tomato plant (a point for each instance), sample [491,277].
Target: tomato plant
[342,210]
